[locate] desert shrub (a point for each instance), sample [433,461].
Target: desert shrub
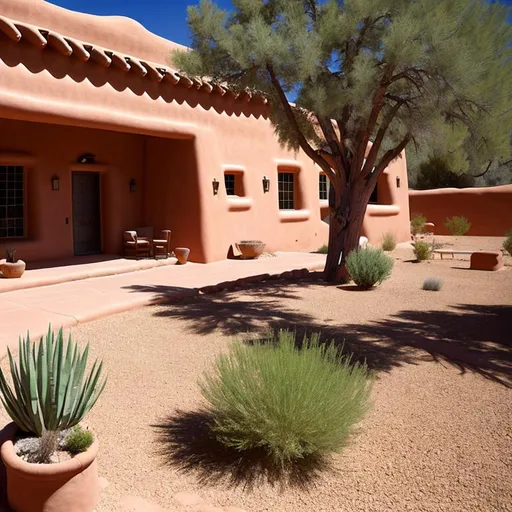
[418,222]
[457,226]
[432,284]
[10,255]
[78,440]
[388,242]
[507,244]
[422,250]
[290,403]
[323,250]
[369,266]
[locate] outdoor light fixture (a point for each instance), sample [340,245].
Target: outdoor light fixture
[215,184]
[87,158]
[397,182]
[55,183]
[133,185]
[266,184]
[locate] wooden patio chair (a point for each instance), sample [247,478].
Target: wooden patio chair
[162,246]
[135,247]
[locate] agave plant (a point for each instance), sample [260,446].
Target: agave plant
[49,392]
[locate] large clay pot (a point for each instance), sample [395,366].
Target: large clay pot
[182,254]
[71,486]
[250,248]
[12,270]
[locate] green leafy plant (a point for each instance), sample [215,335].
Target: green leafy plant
[432,284]
[49,392]
[323,250]
[78,440]
[388,242]
[507,244]
[422,250]
[418,222]
[368,267]
[10,255]
[291,403]
[457,226]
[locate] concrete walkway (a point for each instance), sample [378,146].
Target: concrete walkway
[70,303]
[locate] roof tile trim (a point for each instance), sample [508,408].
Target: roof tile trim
[87,52]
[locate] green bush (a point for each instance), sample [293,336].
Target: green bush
[418,222]
[369,266]
[422,250]
[78,440]
[432,284]
[323,250]
[291,403]
[457,226]
[507,244]
[388,242]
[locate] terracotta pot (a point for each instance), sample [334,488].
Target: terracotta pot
[71,486]
[182,254]
[250,248]
[12,270]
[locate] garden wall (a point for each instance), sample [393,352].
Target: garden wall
[488,209]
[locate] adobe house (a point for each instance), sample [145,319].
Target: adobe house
[98,134]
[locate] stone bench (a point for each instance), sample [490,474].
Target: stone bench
[486,260]
[443,252]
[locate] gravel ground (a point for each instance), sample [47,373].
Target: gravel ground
[439,435]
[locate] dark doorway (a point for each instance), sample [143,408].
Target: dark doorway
[86,213]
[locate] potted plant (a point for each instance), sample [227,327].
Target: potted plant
[12,266]
[49,458]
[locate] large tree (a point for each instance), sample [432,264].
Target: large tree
[361,73]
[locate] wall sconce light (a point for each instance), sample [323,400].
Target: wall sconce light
[397,182]
[215,184]
[55,183]
[87,158]
[133,185]
[266,184]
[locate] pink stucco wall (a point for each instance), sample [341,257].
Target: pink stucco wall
[173,139]
[488,209]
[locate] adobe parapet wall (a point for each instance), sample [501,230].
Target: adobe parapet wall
[489,209]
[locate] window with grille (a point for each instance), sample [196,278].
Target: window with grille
[323,186]
[286,188]
[229,182]
[12,212]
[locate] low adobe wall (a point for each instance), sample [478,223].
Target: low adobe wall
[488,209]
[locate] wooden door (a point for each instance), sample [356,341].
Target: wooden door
[86,213]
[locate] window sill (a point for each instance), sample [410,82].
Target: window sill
[236,203]
[382,210]
[294,215]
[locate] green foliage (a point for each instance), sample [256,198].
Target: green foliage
[79,440]
[507,244]
[10,256]
[388,242]
[368,266]
[292,403]
[436,173]
[418,221]
[49,391]
[432,284]
[422,250]
[323,250]
[457,226]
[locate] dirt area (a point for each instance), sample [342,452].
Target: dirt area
[439,435]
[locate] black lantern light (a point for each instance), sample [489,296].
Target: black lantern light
[133,185]
[266,184]
[215,185]
[55,181]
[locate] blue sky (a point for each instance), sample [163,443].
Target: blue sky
[166,18]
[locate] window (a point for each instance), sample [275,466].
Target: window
[375,196]
[286,189]
[12,213]
[229,182]
[323,187]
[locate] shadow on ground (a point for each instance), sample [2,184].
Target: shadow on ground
[187,443]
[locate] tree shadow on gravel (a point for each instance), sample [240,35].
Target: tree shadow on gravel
[187,443]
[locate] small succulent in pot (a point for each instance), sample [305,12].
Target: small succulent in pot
[10,255]
[49,392]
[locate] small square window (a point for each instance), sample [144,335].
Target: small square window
[323,187]
[229,182]
[286,190]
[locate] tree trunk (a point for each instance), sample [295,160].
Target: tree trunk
[344,232]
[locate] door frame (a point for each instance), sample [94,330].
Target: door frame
[87,169]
